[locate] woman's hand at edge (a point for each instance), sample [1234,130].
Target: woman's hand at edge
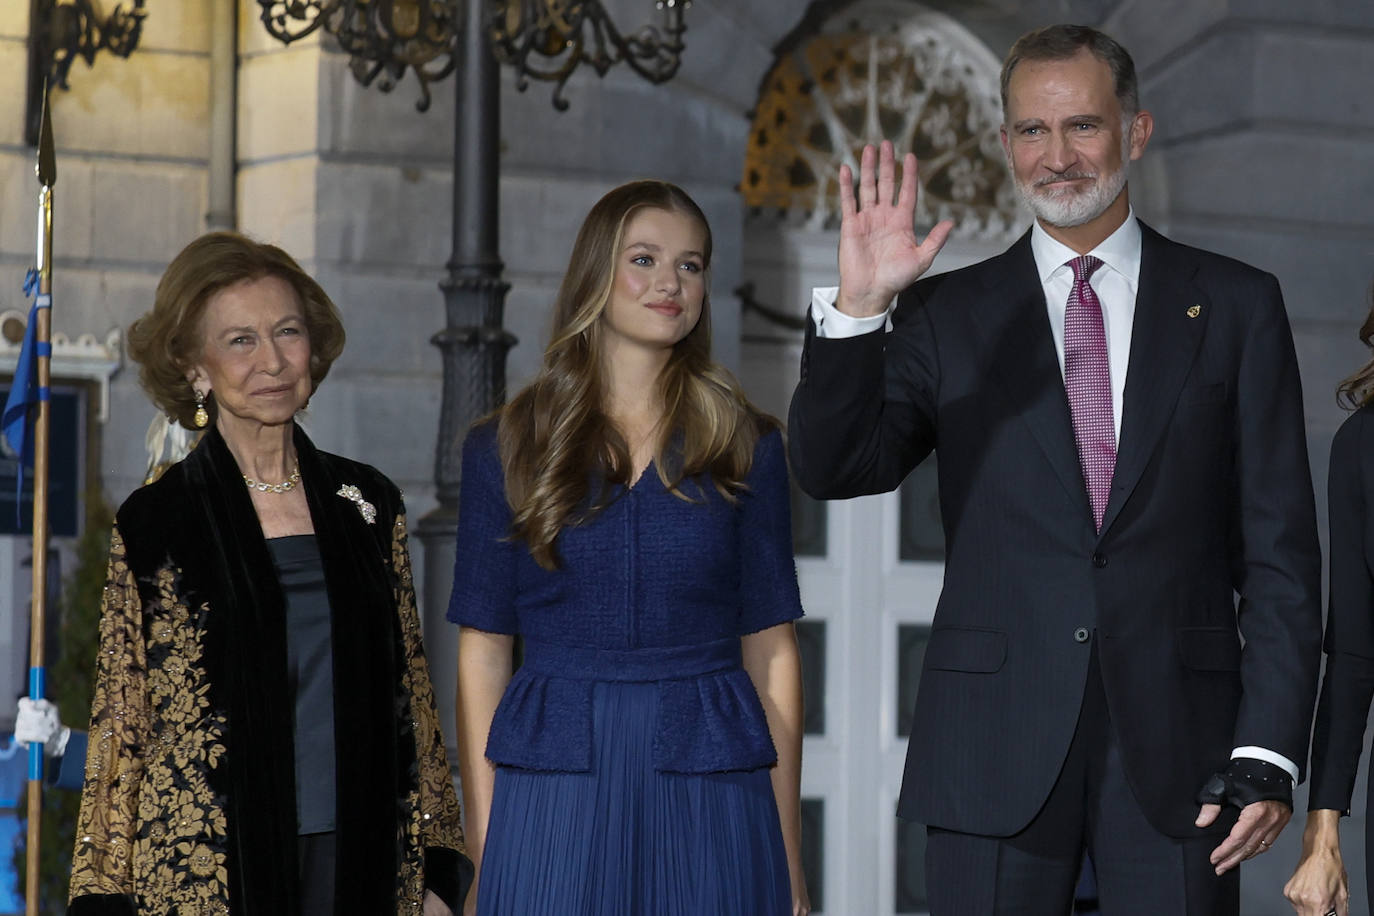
[470,903]
[1320,885]
[801,900]
[435,906]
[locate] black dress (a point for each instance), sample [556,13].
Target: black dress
[1348,685]
[310,678]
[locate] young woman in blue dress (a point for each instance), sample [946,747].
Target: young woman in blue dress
[627,515]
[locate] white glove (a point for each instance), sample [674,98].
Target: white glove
[37,720]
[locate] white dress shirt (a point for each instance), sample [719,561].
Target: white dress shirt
[1115,283]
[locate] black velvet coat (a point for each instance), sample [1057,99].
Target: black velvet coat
[189,799]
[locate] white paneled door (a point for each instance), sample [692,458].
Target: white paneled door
[870,571]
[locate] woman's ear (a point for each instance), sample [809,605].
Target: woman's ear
[197,380]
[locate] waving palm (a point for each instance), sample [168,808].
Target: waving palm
[879,253]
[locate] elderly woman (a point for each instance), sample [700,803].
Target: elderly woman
[263,735]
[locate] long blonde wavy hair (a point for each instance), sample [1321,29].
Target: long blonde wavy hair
[556,442]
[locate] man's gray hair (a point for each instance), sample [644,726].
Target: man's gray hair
[1061,42]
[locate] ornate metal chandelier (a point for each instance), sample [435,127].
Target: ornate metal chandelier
[68,30]
[542,39]
[60,31]
[381,37]
[549,39]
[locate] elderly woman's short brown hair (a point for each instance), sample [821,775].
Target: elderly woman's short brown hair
[167,341]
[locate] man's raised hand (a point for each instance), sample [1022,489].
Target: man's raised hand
[879,254]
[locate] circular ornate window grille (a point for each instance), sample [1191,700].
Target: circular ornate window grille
[919,79]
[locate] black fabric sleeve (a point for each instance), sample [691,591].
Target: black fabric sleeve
[449,874]
[863,413]
[1348,685]
[101,905]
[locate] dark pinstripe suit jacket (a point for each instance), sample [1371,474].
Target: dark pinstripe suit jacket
[1209,535]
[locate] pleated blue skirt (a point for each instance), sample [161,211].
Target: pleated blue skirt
[627,840]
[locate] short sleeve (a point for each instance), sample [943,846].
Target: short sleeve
[768,574]
[483,594]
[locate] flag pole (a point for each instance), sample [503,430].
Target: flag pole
[47,177]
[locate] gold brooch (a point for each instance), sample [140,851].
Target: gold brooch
[1194,311]
[355,496]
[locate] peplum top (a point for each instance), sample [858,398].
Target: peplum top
[653,589]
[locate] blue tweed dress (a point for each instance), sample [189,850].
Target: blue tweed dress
[632,750]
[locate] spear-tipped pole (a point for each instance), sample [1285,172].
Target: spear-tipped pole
[47,177]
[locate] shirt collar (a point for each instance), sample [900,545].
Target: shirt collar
[1119,251]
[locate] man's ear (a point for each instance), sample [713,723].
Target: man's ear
[1142,126]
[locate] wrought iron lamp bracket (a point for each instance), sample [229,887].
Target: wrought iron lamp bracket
[383,38]
[548,40]
[60,31]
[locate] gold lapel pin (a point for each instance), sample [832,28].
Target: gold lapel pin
[1194,311]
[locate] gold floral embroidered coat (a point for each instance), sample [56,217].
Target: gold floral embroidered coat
[189,798]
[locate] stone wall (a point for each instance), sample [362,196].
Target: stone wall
[132,144]
[132,148]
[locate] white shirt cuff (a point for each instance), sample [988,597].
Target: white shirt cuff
[1268,756]
[833,323]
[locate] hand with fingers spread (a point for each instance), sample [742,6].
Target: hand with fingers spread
[1320,885]
[879,253]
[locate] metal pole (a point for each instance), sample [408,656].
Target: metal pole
[473,342]
[47,177]
[223,106]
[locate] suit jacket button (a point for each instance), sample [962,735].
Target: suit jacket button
[1081,634]
[1099,560]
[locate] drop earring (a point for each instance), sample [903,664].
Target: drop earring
[202,417]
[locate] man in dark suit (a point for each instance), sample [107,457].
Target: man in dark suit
[1125,491]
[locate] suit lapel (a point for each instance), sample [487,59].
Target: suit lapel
[1014,326]
[1165,336]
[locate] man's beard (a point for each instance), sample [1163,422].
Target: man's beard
[1069,207]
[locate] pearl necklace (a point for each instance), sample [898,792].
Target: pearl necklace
[283,487]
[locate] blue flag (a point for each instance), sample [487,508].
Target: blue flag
[24,391]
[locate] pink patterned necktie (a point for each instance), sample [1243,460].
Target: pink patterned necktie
[1088,381]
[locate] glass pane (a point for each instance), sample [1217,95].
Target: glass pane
[808,524]
[921,537]
[911,867]
[811,641]
[911,652]
[813,850]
